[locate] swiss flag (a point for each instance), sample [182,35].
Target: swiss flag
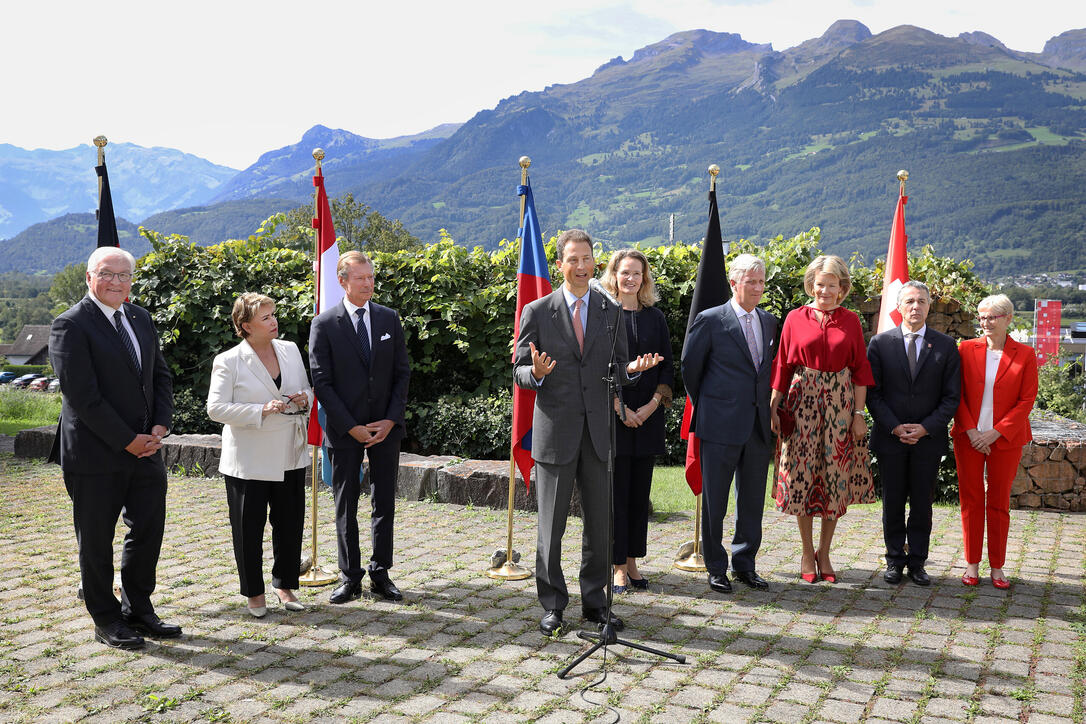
[897,268]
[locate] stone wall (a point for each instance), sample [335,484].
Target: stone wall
[1052,473]
[438,478]
[946,316]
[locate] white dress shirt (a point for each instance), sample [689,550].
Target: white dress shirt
[367,319]
[108,311]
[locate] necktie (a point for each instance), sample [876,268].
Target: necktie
[914,348]
[752,343]
[363,334]
[578,330]
[126,340]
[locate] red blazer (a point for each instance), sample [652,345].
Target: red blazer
[1012,396]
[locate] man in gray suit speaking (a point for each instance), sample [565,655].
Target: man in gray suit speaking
[726,367]
[563,351]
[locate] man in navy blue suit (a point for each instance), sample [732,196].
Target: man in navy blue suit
[917,387]
[117,407]
[726,367]
[358,358]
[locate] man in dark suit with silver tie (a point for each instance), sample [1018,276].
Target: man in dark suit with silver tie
[117,407]
[358,358]
[726,367]
[563,352]
[917,387]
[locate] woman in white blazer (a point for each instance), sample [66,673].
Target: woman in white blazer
[260,392]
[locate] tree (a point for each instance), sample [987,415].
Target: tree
[69,286]
[357,227]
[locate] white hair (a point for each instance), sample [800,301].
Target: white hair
[998,303]
[742,264]
[104,252]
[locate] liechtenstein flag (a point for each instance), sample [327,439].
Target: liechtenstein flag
[533,282]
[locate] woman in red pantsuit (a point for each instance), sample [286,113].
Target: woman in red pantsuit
[999,385]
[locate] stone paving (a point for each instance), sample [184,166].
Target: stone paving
[463,648]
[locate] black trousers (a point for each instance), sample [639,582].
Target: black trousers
[633,479]
[251,503]
[384,463]
[908,476]
[138,496]
[748,464]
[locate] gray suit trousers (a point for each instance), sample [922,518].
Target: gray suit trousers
[554,490]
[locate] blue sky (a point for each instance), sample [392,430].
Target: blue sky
[228,80]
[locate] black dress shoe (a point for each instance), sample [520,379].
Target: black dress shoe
[720,583]
[892,575]
[149,624]
[386,589]
[551,621]
[752,579]
[118,635]
[919,576]
[347,591]
[598,616]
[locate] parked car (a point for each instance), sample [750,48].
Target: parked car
[54,386]
[39,384]
[25,380]
[6,377]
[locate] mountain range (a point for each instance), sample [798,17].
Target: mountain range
[994,139]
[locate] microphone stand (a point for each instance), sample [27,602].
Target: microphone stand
[607,634]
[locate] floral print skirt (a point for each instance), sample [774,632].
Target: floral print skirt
[820,468]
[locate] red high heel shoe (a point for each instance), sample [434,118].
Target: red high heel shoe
[968,580]
[809,577]
[1001,583]
[830,577]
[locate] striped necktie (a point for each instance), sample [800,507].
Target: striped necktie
[126,340]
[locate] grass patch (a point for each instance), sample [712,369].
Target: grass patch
[671,494]
[21,409]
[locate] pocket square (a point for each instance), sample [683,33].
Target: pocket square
[385,336]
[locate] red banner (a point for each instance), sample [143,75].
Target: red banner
[1046,330]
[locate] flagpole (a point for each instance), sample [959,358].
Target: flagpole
[100,142]
[510,570]
[315,576]
[689,557]
[902,176]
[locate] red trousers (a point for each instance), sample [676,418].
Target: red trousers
[978,503]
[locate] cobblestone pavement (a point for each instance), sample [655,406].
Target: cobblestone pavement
[463,648]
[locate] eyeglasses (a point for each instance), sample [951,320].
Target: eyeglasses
[123,277]
[986,318]
[297,410]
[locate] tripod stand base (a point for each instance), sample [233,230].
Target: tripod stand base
[607,637]
[317,576]
[509,572]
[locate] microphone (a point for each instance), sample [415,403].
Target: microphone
[595,285]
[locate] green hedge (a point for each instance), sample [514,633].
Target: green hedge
[457,306]
[27,369]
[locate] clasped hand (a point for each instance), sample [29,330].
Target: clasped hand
[144,445]
[909,433]
[982,441]
[372,433]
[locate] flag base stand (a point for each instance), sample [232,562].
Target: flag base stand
[317,576]
[509,572]
[689,559]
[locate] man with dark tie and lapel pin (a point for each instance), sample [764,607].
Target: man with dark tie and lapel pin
[117,406]
[726,363]
[916,392]
[358,359]
[563,352]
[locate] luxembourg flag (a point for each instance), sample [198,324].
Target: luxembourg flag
[897,267]
[533,282]
[327,290]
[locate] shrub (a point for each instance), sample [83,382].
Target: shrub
[190,414]
[27,369]
[469,427]
[1060,389]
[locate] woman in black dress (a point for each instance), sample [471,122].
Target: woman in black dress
[641,437]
